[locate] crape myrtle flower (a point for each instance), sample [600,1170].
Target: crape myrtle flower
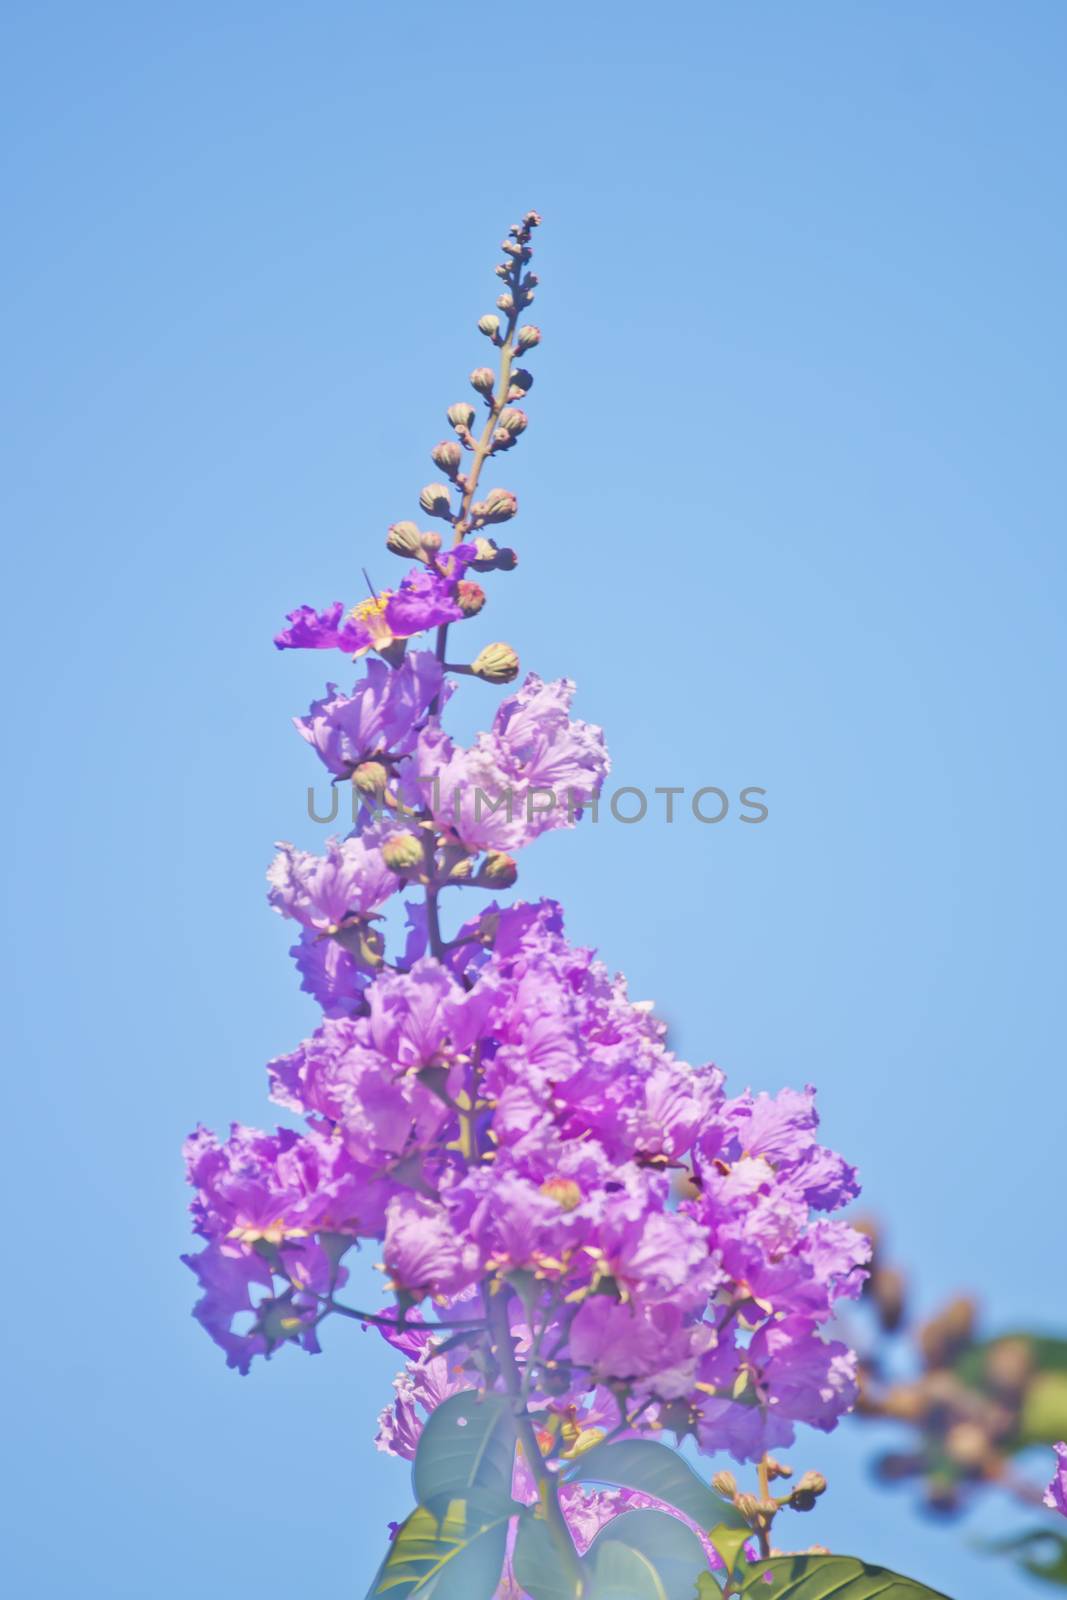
[482,1103]
[382,715]
[424,599]
[536,769]
[1055,1496]
[578,1115]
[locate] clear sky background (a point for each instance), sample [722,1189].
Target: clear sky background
[792,515]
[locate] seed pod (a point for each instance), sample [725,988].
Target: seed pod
[483,379]
[403,539]
[436,500]
[462,414]
[497,663]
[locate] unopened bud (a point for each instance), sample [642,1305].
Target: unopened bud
[431,542]
[502,269]
[748,1506]
[447,455]
[402,852]
[499,505]
[497,663]
[489,325]
[436,501]
[528,337]
[483,379]
[513,421]
[499,869]
[777,1469]
[564,1191]
[725,1483]
[502,440]
[506,303]
[370,777]
[510,248]
[522,380]
[506,559]
[811,1483]
[470,597]
[968,1446]
[403,539]
[461,415]
[532,219]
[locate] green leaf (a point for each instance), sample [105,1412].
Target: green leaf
[663,1558]
[657,1470]
[539,1566]
[625,1574]
[468,1444]
[730,1542]
[453,1553]
[819,1577]
[1039,1551]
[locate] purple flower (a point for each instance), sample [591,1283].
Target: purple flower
[323,892]
[535,770]
[424,600]
[1056,1493]
[383,714]
[422,1253]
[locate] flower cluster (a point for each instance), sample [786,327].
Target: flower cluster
[488,1105]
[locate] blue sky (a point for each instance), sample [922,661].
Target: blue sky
[791,516]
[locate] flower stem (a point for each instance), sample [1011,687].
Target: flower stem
[547,1482]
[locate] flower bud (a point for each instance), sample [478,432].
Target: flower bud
[431,542]
[748,1506]
[564,1191]
[403,539]
[510,248]
[485,560]
[522,381]
[470,597]
[436,501]
[370,778]
[724,1483]
[497,663]
[447,455]
[506,559]
[461,415]
[502,269]
[502,440]
[528,337]
[506,303]
[810,1483]
[532,219]
[402,852]
[499,505]
[489,325]
[513,421]
[500,870]
[483,379]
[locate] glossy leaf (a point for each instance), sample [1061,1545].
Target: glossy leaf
[467,1446]
[657,1470]
[455,1553]
[663,1557]
[539,1566]
[730,1542]
[820,1577]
